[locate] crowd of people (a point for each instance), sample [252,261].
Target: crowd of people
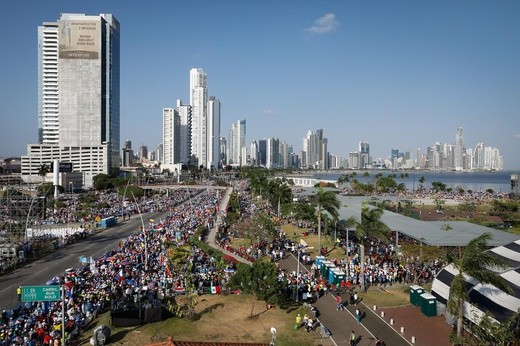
[136,272]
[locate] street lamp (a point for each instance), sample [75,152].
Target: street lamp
[144,234]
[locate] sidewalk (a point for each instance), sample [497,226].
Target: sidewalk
[213,232]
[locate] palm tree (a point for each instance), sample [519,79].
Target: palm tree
[279,192]
[369,226]
[328,201]
[44,169]
[479,264]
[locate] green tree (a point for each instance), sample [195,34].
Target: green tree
[370,226]
[325,201]
[44,169]
[475,262]
[438,186]
[102,182]
[279,193]
[439,203]
[260,279]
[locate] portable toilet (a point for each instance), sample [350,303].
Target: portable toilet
[336,276]
[328,268]
[415,293]
[319,260]
[323,268]
[428,304]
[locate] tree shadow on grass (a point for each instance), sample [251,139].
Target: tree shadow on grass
[208,309]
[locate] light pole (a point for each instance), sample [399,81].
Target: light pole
[144,235]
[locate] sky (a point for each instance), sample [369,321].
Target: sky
[398,74]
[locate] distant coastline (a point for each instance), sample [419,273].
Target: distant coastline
[475,181]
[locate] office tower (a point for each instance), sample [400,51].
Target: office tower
[353,160]
[213,132]
[171,136]
[237,141]
[272,153]
[158,152]
[364,154]
[324,154]
[313,154]
[262,152]
[254,154]
[78,96]
[184,112]
[127,154]
[458,150]
[284,154]
[143,153]
[223,151]
[199,103]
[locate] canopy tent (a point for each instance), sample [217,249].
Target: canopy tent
[483,297]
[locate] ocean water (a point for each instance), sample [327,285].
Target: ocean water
[475,181]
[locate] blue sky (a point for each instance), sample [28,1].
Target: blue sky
[398,74]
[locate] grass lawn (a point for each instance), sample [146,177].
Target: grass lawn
[231,318]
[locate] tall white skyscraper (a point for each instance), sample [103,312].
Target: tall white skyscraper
[171,134]
[48,98]
[237,141]
[213,131]
[458,162]
[199,103]
[78,95]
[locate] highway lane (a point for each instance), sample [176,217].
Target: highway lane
[40,271]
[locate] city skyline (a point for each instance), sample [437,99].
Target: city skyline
[401,75]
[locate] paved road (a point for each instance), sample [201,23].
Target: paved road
[341,323]
[44,269]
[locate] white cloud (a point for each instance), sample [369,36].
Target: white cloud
[270,112]
[324,24]
[518,135]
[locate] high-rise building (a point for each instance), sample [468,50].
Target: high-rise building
[313,154]
[127,154]
[237,141]
[171,136]
[254,153]
[184,112]
[78,95]
[364,154]
[213,133]
[272,153]
[199,103]
[223,151]
[262,152]
[458,150]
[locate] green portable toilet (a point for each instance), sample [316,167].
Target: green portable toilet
[329,268]
[415,293]
[323,268]
[337,276]
[428,305]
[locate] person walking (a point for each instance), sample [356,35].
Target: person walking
[19,293]
[352,338]
[358,315]
[338,303]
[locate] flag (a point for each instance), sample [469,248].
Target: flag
[168,271]
[93,266]
[214,290]
[119,276]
